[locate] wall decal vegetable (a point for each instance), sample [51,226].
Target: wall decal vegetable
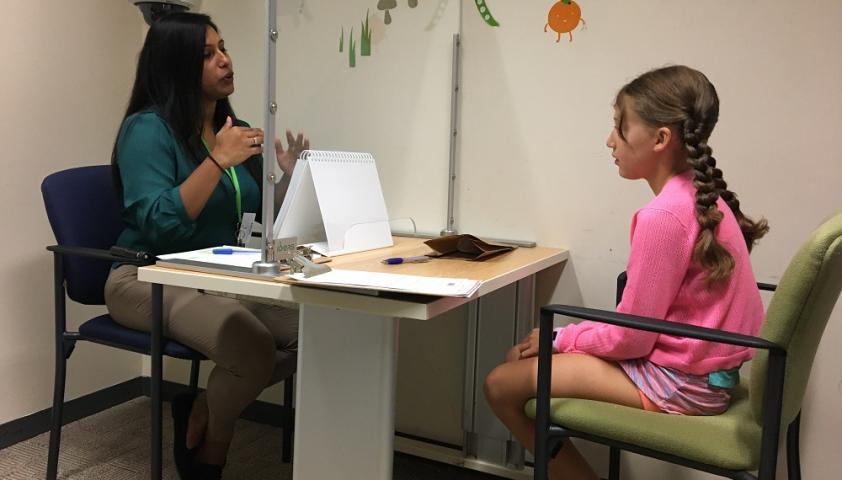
[486,13]
[563,17]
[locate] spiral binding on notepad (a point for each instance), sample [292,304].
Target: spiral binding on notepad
[332,156]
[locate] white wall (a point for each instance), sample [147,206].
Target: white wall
[395,104]
[67,70]
[536,114]
[534,118]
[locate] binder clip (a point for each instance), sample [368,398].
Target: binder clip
[298,258]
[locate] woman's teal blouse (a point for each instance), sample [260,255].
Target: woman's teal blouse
[153,164]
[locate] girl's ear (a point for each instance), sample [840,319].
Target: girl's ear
[663,139]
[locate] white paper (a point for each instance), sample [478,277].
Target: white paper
[436,286]
[206,255]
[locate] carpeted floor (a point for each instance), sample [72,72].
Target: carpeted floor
[114,445]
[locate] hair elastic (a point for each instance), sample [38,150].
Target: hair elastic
[216,163]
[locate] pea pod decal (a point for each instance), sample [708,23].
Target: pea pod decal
[485,13]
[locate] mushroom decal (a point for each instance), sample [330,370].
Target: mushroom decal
[387,5]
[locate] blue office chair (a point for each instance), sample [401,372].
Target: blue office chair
[84,213]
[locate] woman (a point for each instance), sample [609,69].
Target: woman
[187,170]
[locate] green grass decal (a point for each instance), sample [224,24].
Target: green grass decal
[365,38]
[352,50]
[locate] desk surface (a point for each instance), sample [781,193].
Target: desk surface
[494,273]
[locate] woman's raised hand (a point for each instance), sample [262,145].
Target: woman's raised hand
[295,145]
[235,144]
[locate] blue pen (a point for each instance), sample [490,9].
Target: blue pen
[230,251]
[399,260]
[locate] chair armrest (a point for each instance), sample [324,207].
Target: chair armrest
[100,254]
[662,326]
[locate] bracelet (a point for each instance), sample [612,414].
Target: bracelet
[216,163]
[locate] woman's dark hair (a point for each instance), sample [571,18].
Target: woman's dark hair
[169,80]
[684,99]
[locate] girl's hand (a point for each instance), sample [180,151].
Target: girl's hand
[235,144]
[528,347]
[287,158]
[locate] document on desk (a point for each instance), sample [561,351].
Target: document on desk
[237,261]
[391,282]
[238,256]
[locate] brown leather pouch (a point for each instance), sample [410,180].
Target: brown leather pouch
[465,246]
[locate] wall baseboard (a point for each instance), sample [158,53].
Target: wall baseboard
[33,425]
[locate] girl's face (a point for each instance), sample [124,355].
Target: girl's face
[633,144]
[218,72]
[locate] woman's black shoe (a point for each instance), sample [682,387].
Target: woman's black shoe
[204,471]
[182,405]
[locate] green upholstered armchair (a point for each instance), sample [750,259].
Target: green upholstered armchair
[744,438]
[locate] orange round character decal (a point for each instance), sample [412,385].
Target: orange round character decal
[564,16]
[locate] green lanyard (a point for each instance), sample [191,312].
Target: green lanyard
[232,174]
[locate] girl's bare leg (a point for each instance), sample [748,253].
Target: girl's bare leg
[510,385]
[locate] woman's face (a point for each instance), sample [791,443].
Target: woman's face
[218,72]
[632,144]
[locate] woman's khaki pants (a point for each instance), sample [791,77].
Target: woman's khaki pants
[252,345]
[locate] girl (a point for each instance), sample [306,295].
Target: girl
[689,262]
[186,171]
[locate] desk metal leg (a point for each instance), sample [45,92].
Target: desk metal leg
[496,322]
[155,379]
[345,395]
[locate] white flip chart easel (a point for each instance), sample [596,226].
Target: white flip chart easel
[335,203]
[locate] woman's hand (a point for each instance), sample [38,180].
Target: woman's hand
[528,347]
[295,145]
[235,144]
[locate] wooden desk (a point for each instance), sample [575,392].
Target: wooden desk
[347,349]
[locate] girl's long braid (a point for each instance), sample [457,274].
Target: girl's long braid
[752,231]
[708,179]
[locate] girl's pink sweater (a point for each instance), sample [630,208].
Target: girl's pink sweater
[664,282]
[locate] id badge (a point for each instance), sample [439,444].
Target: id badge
[246,226]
